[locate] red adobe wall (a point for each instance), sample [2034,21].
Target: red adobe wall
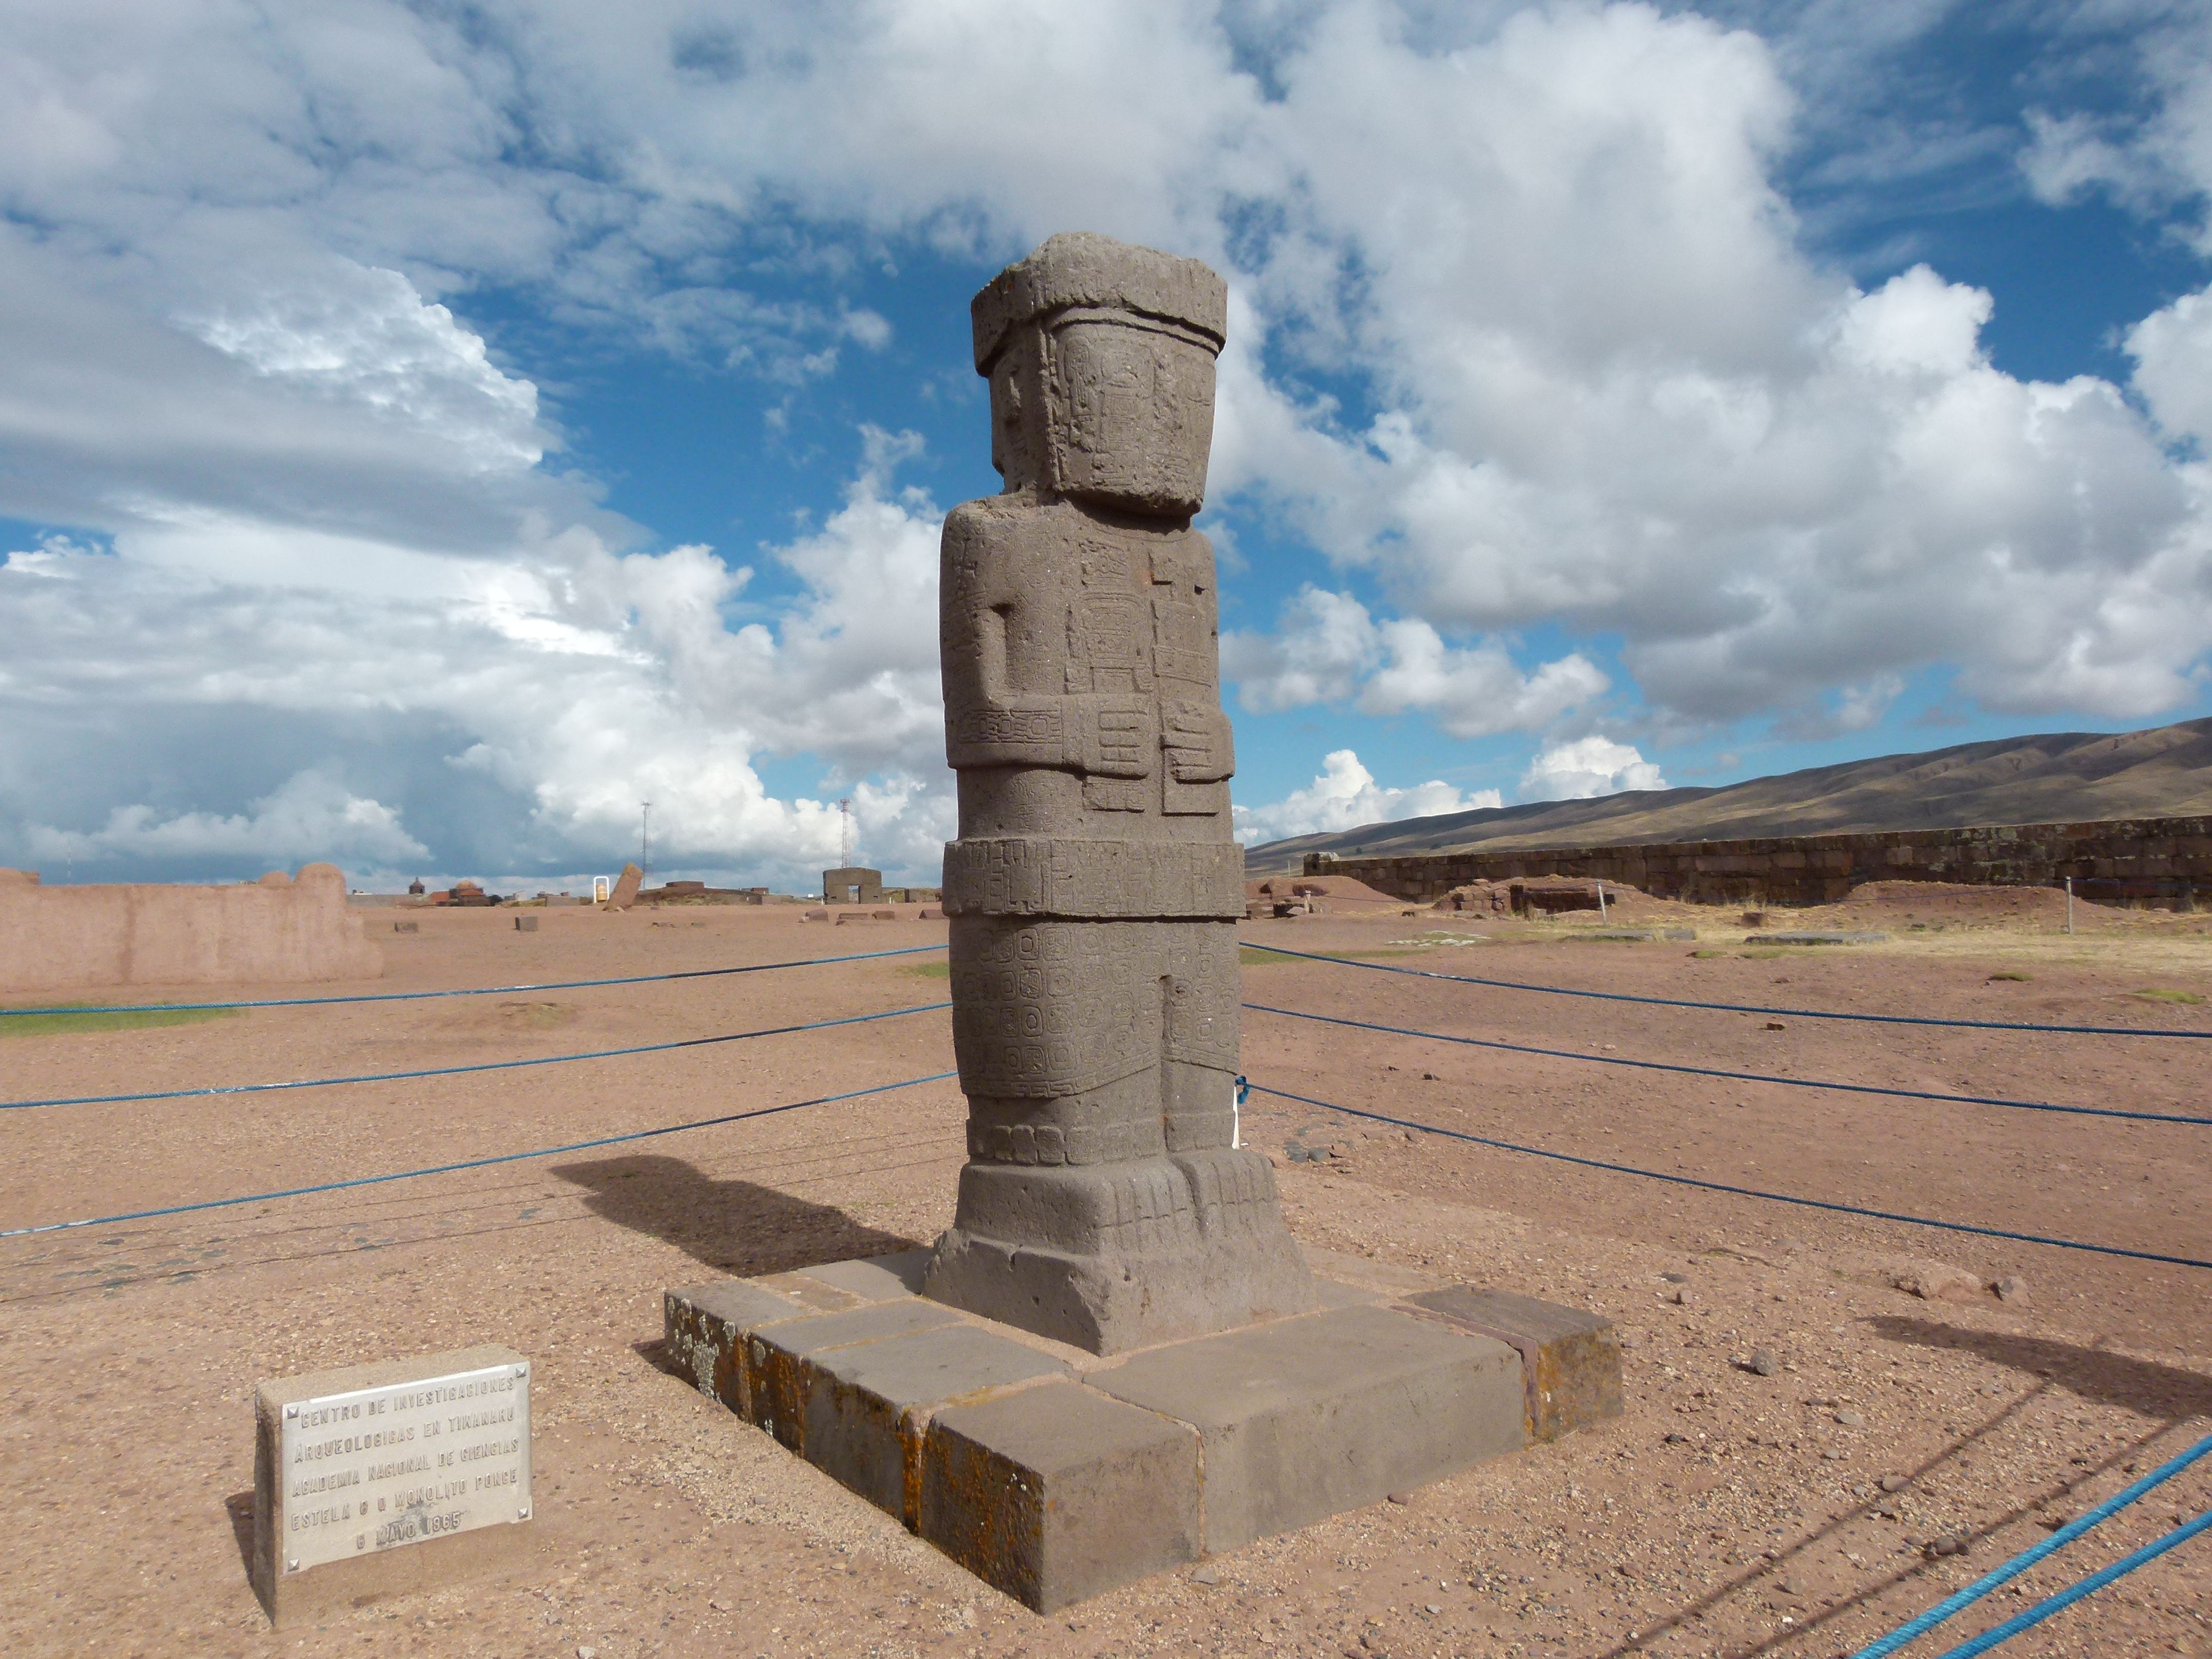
[275,931]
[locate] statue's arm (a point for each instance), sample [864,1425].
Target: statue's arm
[985,723]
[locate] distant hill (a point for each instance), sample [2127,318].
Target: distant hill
[2165,772]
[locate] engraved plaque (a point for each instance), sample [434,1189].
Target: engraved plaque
[375,1468]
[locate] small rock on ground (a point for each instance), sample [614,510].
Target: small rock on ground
[1937,1281]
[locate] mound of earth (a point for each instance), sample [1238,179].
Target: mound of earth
[1333,892]
[1954,904]
[1556,896]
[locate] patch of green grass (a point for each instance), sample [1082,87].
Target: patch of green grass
[2159,994]
[1707,956]
[1762,956]
[928,970]
[101,1019]
[2017,979]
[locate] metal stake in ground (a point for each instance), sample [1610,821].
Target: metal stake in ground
[1095,886]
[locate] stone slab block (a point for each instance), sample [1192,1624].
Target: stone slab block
[1386,1278]
[1058,1493]
[818,1295]
[388,1478]
[876,1278]
[1334,1293]
[1302,1417]
[776,1356]
[706,1327]
[866,1408]
[1569,1359]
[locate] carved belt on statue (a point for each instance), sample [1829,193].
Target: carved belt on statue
[1058,876]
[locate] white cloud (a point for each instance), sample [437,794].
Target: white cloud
[2150,151]
[366,338]
[1915,324]
[1325,647]
[1625,400]
[1854,708]
[1345,796]
[1601,384]
[569,680]
[1329,649]
[2172,349]
[1587,767]
[310,817]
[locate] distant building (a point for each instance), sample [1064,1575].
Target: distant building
[853,884]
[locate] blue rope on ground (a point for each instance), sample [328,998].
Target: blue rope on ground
[1914,1629]
[468,1163]
[1738,1077]
[1722,1186]
[1736,1007]
[477,990]
[2073,1593]
[480,1065]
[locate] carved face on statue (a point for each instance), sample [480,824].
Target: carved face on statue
[1110,404]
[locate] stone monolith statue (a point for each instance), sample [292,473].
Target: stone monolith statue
[1093,891]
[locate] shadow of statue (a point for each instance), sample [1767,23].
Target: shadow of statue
[2143,1386]
[736,1227]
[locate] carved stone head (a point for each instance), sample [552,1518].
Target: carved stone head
[1100,355]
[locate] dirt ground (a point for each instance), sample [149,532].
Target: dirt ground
[1728,1513]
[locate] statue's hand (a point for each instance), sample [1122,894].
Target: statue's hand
[1198,741]
[1117,736]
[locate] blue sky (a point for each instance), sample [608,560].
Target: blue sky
[428,432]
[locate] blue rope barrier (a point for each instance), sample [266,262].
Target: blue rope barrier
[1738,1077]
[2073,1593]
[1912,1629]
[479,1066]
[1722,1186]
[468,1163]
[1737,1007]
[473,991]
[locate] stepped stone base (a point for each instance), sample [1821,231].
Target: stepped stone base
[1055,1475]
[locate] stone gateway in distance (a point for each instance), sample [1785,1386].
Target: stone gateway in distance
[1093,892]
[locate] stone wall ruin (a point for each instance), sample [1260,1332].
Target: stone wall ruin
[2164,863]
[280,930]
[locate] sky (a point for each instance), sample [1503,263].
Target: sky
[430,432]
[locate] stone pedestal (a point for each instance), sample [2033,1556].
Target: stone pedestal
[1055,1475]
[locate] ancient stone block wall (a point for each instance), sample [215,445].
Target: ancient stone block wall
[2162,862]
[273,932]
